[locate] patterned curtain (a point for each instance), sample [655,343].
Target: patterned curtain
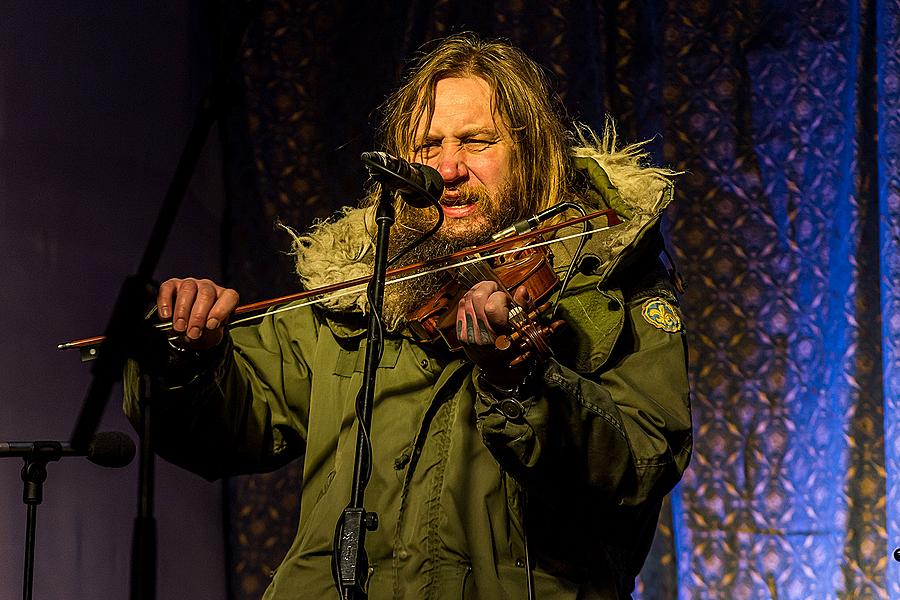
[785,119]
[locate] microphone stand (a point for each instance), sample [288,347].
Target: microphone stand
[34,474]
[349,561]
[107,450]
[143,536]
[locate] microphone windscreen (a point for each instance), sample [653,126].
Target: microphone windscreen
[410,179]
[111,449]
[434,185]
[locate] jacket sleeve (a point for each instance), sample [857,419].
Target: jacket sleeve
[621,432]
[245,406]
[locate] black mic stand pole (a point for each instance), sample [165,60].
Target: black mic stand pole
[143,536]
[350,563]
[34,474]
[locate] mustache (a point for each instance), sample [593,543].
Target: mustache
[466,195]
[501,208]
[421,219]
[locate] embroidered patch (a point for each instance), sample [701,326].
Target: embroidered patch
[661,315]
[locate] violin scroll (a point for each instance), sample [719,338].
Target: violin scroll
[529,338]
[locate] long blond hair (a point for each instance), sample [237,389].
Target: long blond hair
[521,99]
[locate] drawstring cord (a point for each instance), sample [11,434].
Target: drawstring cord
[528,572]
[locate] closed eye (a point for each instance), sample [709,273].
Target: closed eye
[428,149]
[478,144]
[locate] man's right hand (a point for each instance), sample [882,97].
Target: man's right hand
[199,309]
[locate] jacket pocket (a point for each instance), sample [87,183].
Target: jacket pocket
[450,581]
[354,361]
[595,318]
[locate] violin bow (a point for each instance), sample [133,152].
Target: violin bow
[396,275]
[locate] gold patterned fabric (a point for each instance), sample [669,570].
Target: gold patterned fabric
[784,119]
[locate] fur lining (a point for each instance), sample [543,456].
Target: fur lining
[643,193]
[335,251]
[640,186]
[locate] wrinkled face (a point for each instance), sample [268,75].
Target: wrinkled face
[471,148]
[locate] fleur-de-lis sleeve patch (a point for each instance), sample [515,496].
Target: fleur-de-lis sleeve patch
[661,315]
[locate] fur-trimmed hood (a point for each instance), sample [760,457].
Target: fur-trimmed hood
[619,179]
[341,249]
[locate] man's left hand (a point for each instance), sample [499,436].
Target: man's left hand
[483,313]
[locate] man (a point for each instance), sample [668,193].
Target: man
[471,457]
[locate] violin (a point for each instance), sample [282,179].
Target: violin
[516,266]
[527,267]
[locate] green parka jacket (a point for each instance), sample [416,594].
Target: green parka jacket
[457,482]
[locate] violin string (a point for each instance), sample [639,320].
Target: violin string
[357,288]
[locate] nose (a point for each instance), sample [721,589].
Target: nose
[451,164]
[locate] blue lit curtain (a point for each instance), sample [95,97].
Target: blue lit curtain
[785,118]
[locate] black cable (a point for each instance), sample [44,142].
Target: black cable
[419,240]
[586,227]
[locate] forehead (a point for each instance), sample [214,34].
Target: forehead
[462,103]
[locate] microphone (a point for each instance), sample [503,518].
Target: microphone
[532,222]
[108,449]
[419,185]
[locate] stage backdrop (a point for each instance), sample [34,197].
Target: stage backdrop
[783,117]
[96,99]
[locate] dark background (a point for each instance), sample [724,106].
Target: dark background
[784,118]
[95,102]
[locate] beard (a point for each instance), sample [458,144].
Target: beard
[495,213]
